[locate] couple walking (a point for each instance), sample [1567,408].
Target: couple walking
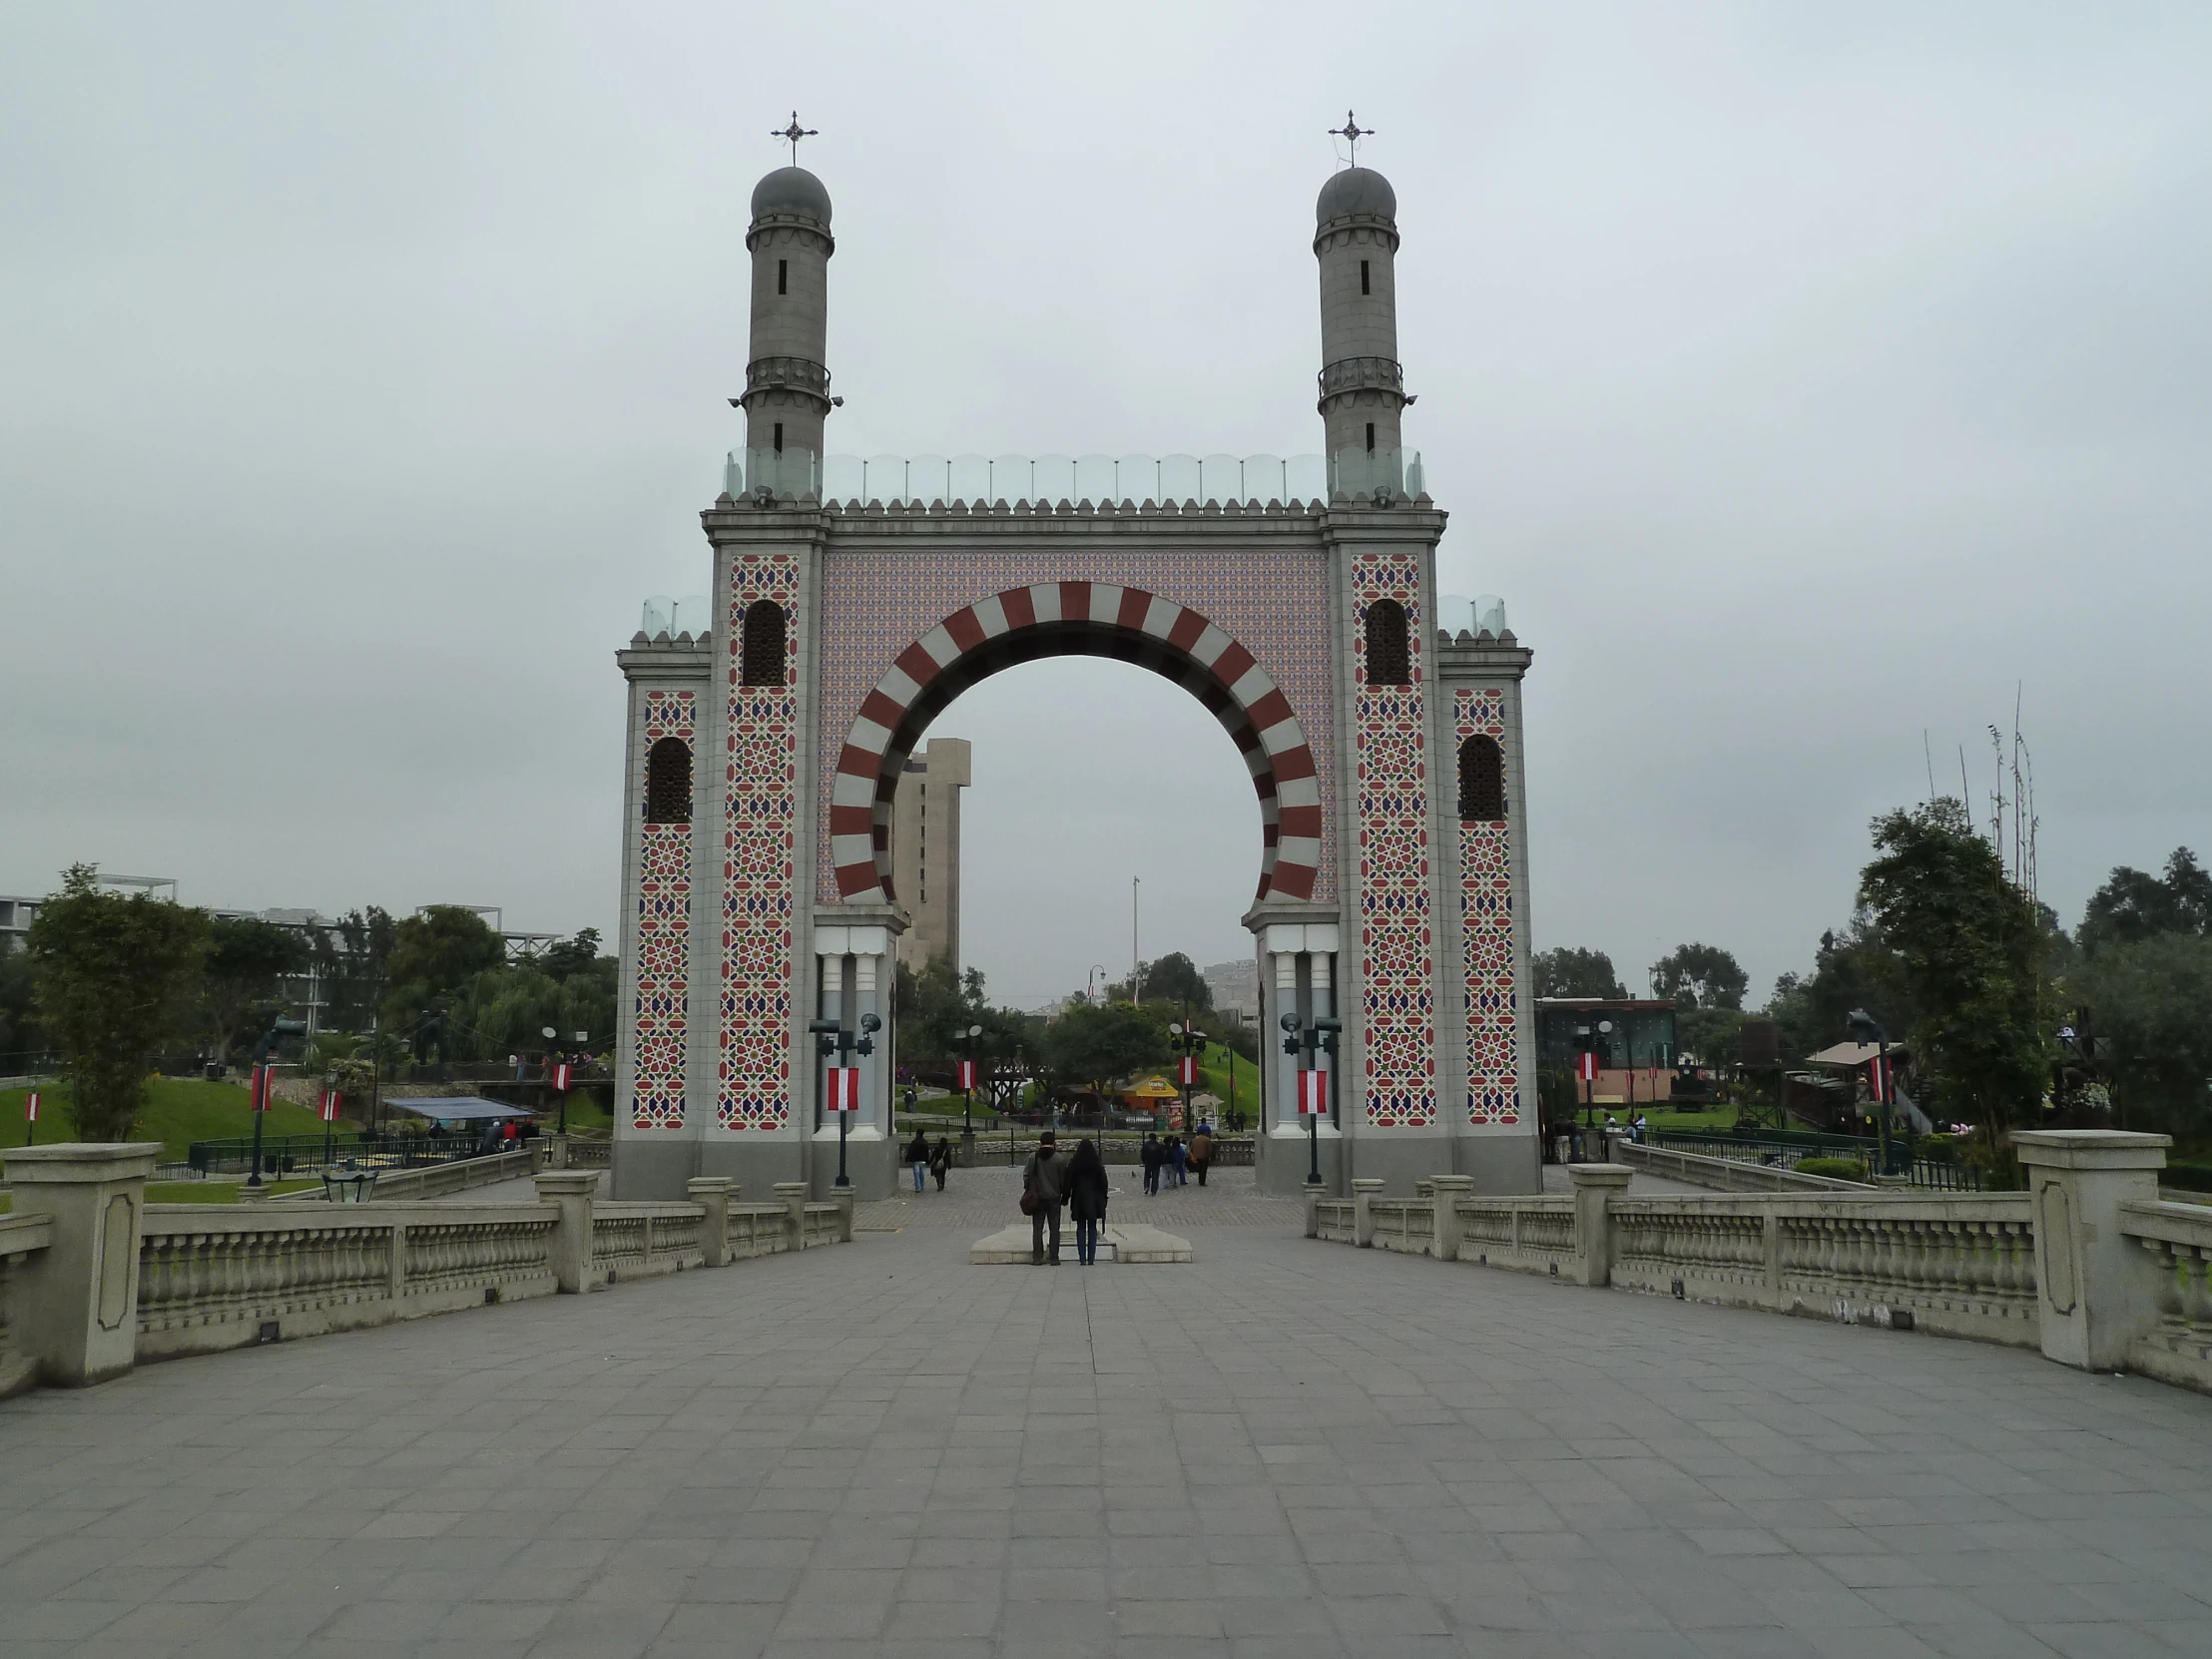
[925,1159]
[1078,1181]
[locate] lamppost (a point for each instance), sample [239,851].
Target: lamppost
[1303,1042]
[265,1083]
[548,1033]
[1187,1043]
[1587,1041]
[1864,1027]
[834,1040]
[968,1089]
[1098,973]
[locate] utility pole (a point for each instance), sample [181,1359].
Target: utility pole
[1136,991]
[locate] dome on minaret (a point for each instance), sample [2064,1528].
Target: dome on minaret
[793,190]
[1355,190]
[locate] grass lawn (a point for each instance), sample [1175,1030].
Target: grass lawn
[213,1191]
[179,1111]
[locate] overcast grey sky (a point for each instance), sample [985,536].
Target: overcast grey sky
[1804,377]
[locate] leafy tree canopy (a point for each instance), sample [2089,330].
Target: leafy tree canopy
[2133,906]
[1856,968]
[1101,1045]
[433,955]
[567,957]
[1573,972]
[1173,978]
[246,961]
[114,977]
[2152,1001]
[1700,976]
[1970,947]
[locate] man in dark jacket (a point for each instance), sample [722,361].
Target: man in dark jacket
[1042,1176]
[1150,1155]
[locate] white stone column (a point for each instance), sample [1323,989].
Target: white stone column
[867,1000]
[1286,1065]
[1321,984]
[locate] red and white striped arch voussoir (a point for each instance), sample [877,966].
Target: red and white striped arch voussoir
[1168,638]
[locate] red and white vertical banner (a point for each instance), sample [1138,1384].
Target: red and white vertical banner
[1186,1070]
[843,1093]
[966,1071]
[1313,1093]
[330,1105]
[263,1087]
[1585,1065]
[30,1107]
[559,1077]
[1877,1077]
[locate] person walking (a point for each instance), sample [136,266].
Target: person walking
[1149,1156]
[1043,1191]
[917,1157]
[941,1158]
[1086,1190]
[1202,1151]
[1179,1156]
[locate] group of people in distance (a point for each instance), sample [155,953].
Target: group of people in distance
[1078,1182]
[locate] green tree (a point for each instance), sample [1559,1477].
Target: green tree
[1856,968]
[1099,1045]
[1971,947]
[2151,1003]
[247,959]
[1174,978]
[115,981]
[1700,976]
[433,955]
[352,958]
[570,956]
[2132,905]
[1573,972]
[21,1039]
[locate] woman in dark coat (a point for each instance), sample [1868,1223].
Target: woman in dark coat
[941,1158]
[1087,1194]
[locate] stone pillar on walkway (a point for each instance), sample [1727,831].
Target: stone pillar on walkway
[711,1193]
[75,1304]
[1594,1187]
[792,1196]
[1363,1189]
[2095,1297]
[570,1189]
[1447,1190]
[843,1199]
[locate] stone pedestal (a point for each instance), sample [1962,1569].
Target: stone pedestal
[711,1193]
[1594,1187]
[571,1191]
[2094,1299]
[76,1305]
[1447,1191]
[1364,1189]
[792,1196]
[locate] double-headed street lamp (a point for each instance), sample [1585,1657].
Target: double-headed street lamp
[1186,1042]
[1306,1041]
[835,1040]
[966,1040]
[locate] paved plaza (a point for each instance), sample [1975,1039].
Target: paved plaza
[1286,1450]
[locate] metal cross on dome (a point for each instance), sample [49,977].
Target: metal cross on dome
[1350,132]
[792,134]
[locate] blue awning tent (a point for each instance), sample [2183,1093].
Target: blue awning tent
[456,1108]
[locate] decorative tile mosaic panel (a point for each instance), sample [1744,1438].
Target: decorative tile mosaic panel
[875,604]
[1396,932]
[752,1071]
[664,935]
[1486,936]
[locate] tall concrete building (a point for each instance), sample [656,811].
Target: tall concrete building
[926,849]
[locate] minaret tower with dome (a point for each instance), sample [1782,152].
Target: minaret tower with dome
[1363,389]
[787,376]
[854,599]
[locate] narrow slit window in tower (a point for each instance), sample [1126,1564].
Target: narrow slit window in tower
[763,643]
[784,274]
[779,437]
[1481,780]
[1389,660]
[1371,438]
[1364,289]
[668,782]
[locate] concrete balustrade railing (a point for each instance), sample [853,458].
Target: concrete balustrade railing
[2087,1265]
[94,1280]
[440,1180]
[1729,1174]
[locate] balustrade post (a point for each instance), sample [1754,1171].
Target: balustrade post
[571,1191]
[2094,1299]
[1449,1227]
[711,1193]
[1313,1211]
[1363,1189]
[794,1195]
[74,1306]
[843,1198]
[1594,1187]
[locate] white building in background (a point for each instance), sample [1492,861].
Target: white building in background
[1235,988]
[925,851]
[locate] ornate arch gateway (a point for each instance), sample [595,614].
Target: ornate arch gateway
[854,600]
